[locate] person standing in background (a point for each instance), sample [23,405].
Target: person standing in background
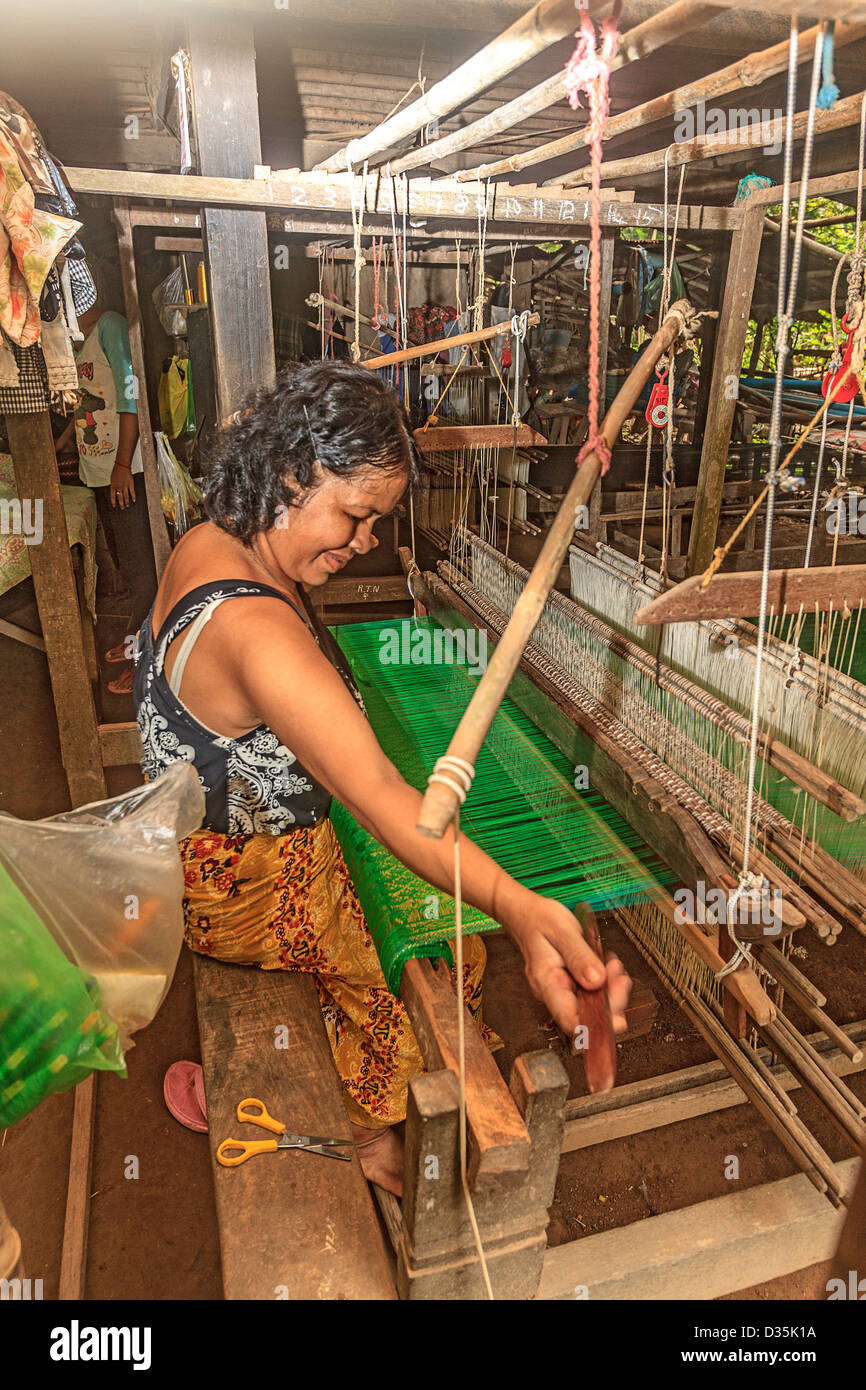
[109,454]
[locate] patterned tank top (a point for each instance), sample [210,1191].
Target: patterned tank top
[253,784]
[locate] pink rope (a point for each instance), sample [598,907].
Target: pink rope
[588,72]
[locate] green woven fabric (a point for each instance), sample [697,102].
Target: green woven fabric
[53,1031]
[523,809]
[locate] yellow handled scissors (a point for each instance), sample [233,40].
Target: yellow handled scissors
[231,1152]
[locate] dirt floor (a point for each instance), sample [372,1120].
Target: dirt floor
[155,1237]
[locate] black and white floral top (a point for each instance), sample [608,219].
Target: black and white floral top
[253,784]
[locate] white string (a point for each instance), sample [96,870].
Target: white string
[461,1056]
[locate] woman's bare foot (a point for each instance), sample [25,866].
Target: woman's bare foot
[381,1155]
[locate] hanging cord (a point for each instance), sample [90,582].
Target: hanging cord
[588,72]
[322,301]
[458,774]
[380,310]
[668,476]
[461,1051]
[360,262]
[819,468]
[785,310]
[519,326]
[451,381]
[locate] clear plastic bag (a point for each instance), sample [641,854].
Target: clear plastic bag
[180,494]
[171,291]
[106,881]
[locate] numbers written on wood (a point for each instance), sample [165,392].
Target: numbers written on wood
[576,210]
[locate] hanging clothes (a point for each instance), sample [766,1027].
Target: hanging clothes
[38,226]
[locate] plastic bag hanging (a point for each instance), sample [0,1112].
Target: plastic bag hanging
[106,881]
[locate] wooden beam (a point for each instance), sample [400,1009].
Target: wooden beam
[727,364]
[738,595]
[226,118]
[545,24]
[73,1259]
[745,72]
[387,588]
[192,246]
[21,634]
[636,43]
[735,143]
[445,437]
[291,1226]
[660,29]
[641,1106]
[305,195]
[36,477]
[126,249]
[703,1251]
[120,744]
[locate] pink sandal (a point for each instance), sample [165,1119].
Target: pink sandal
[183,1089]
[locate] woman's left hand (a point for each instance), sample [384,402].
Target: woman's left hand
[122,488]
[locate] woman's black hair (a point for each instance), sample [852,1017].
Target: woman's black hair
[335,413]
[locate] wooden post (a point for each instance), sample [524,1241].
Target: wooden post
[37,479]
[226,118]
[710,334]
[158,533]
[436,1256]
[73,1260]
[728,360]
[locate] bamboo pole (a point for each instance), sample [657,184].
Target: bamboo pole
[803,1061]
[822,248]
[745,72]
[788,1128]
[786,971]
[316,299]
[792,981]
[545,24]
[845,112]
[637,43]
[441,801]
[480,335]
[644,38]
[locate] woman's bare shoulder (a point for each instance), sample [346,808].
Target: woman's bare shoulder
[204,555]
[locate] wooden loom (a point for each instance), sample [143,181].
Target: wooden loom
[234,212]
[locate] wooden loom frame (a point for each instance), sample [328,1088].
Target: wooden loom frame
[235,206]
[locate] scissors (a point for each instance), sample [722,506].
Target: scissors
[231,1152]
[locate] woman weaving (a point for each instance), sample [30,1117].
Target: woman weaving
[232,674]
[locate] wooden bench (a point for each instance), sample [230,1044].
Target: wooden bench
[291,1225]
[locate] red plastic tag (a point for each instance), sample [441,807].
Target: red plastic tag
[847,392]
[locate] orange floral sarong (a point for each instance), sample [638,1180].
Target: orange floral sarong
[286,902]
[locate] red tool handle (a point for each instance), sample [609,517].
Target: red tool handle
[597,1043]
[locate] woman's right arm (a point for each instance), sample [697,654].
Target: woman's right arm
[297,692]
